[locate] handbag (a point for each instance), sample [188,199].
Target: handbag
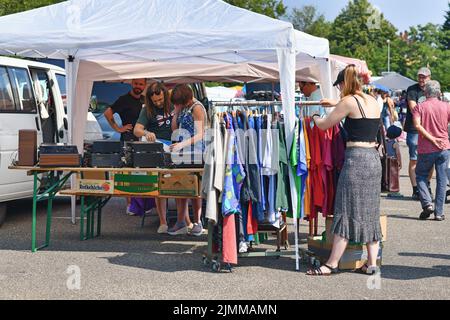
[393,175]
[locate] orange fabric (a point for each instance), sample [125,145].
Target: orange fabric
[229,245]
[252,222]
[307,197]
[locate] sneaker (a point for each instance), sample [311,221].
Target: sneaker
[197,230]
[243,247]
[150,211]
[163,229]
[190,227]
[131,213]
[178,229]
[426,213]
[439,218]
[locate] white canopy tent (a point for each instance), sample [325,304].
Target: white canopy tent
[123,38]
[395,82]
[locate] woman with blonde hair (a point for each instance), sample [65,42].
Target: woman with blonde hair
[357,204]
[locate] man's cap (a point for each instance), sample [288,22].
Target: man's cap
[424,72]
[340,78]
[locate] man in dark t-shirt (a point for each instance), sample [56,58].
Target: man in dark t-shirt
[414,96]
[128,107]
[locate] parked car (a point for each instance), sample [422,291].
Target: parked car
[32,96]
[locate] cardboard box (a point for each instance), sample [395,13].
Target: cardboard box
[135,184]
[329,223]
[179,185]
[355,256]
[95,186]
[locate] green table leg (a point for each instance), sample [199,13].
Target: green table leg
[33,225]
[92,218]
[49,220]
[88,222]
[82,213]
[99,222]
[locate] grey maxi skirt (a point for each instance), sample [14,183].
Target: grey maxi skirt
[357,206]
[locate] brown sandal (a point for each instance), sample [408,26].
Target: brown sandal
[366,271]
[318,272]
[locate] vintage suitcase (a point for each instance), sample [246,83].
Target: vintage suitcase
[27,148]
[147,160]
[112,160]
[147,147]
[60,160]
[57,148]
[104,146]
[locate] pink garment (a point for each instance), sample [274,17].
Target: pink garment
[327,173]
[435,116]
[229,245]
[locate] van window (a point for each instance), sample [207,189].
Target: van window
[62,88]
[6,94]
[22,82]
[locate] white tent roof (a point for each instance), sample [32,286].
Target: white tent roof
[395,82]
[144,30]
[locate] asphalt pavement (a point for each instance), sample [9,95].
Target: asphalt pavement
[130,262]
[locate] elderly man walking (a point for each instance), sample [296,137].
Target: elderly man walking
[431,118]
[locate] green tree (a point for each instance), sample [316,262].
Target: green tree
[361,32]
[446,30]
[446,25]
[308,20]
[271,8]
[423,47]
[14,6]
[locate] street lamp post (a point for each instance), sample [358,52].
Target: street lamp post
[389,55]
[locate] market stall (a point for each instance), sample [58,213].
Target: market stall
[97,32]
[98,43]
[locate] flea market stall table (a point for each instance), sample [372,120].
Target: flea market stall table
[50,182]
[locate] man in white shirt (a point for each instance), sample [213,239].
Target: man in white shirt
[312,93]
[380,99]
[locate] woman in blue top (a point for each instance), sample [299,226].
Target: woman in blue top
[188,125]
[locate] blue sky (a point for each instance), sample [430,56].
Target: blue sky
[401,13]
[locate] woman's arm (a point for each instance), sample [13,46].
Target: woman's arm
[198,113]
[341,111]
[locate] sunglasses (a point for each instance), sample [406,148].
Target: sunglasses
[157,92]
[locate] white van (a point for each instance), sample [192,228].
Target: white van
[32,96]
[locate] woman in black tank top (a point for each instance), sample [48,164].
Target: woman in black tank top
[357,204]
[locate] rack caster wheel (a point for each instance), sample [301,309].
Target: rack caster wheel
[205,261]
[316,263]
[216,267]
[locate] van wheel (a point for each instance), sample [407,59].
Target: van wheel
[2,213]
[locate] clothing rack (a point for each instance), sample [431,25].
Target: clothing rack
[313,223]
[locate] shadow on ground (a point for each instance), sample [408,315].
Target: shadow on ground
[413,273]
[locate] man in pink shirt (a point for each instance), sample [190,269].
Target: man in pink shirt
[431,119]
